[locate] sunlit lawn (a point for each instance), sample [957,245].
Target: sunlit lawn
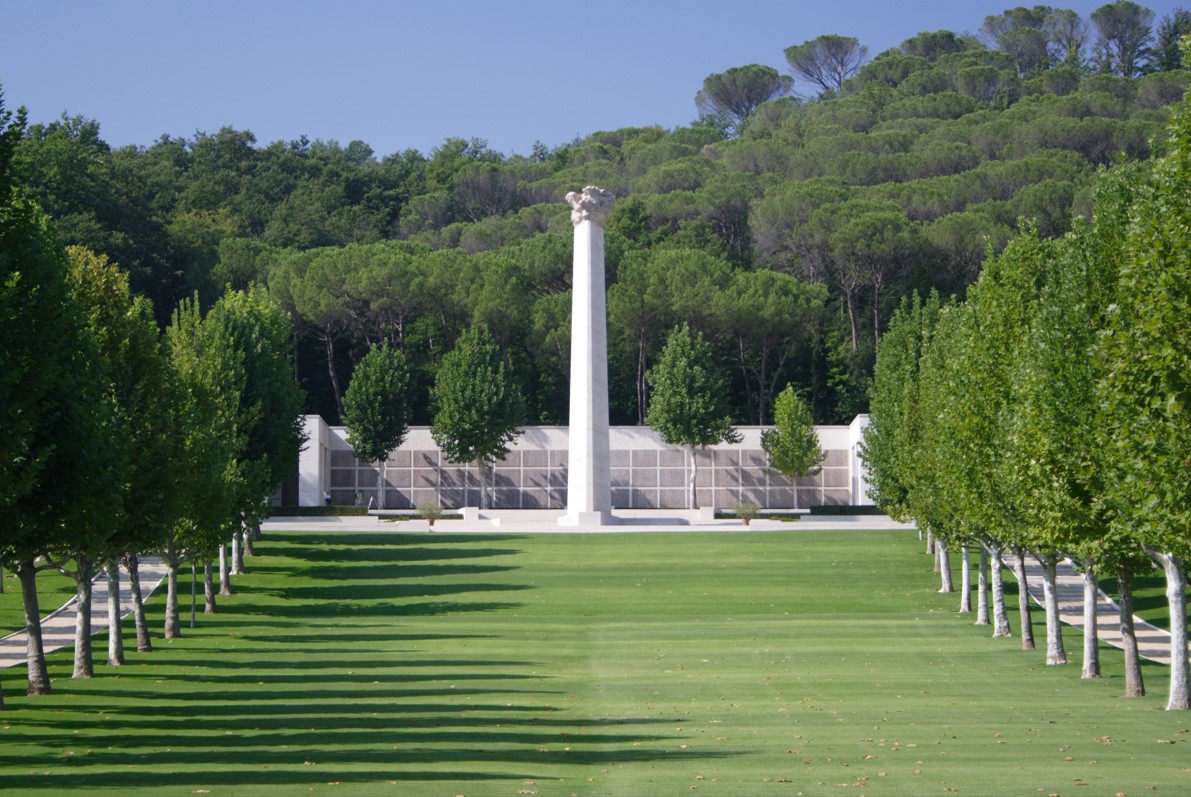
[778,663]
[53,590]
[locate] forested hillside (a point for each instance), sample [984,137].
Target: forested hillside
[783,227]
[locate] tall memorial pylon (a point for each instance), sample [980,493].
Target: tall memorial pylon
[589,473]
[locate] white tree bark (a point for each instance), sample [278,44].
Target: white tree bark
[172,628]
[1056,652]
[692,501]
[1176,596]
[115,622]
[982,588]
[1000,616]
[943,560]
[1091,630]
[225,575]
[965,597]
[208,588]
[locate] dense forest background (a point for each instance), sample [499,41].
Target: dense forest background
[784,227]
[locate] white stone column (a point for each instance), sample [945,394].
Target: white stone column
[589,474]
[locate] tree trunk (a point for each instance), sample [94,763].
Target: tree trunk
[1023,599]
[762,378]
[742,361]
[380,483]
[193,594]
[982,588]
[84,664]
[173,627]
[692,502]
[246,539]
[965,598]
[930,543]
[208,588]
[39,676]
[115,620]
[1091,630]
[1176,597]
[944,560]
[329,339]
[642,386]
[1056,652]
[1000,616]
[225,576]
[482,469]
[1134,683]
[850,302]
[238,551]
[132,565]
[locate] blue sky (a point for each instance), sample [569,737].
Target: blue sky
[400,75]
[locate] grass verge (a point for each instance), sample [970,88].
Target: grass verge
[742,663]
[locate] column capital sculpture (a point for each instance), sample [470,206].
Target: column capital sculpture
[592,204]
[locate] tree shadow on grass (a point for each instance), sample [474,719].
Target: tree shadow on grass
[385,590]
[380,634]
[356,610]
[396,548]
[391,570]
[360,743]
[334,708]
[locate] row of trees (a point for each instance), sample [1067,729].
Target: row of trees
[121,441]
[1047,414]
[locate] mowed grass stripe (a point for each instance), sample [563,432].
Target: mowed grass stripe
[728,663]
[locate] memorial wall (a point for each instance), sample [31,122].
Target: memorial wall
[646,472]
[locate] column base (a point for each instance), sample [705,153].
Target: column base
[588,519]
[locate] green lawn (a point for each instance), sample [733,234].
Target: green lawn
[780,663]
[53,590]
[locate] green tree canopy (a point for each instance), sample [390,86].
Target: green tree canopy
[687,407]
[477,406]
[734,95]
[376,408]
[827,61]
[1123,37]
[269,418]
[792,444]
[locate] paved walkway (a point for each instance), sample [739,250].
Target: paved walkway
[1153,643]
[57,628]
